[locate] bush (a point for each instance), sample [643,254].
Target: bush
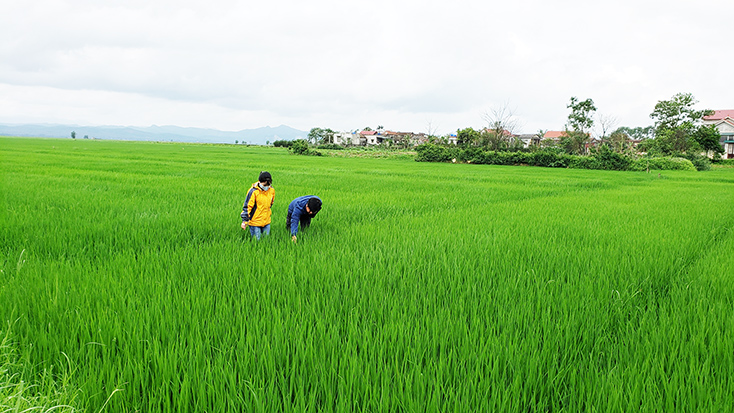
[701,162]
[429,152]
[299,147]
[332,146]
[283,144]
[662,163]
[550,158]
[611,161]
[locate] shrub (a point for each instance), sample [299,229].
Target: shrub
[429,152]
[332,146]
[610,160]
[550,158]
[299,147]
[283,144]
[701,162]
[662,163]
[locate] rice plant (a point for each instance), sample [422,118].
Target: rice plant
[418,287]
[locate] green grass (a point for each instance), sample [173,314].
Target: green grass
[419,286]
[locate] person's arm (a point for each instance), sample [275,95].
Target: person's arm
[295,219]
[247,207]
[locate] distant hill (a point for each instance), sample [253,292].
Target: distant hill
[257,136]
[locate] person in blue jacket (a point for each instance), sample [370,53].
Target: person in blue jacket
[300,211]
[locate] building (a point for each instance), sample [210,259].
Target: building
[529,140]
[723,120]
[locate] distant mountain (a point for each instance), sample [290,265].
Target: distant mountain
[257,136]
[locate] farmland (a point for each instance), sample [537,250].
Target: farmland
[127,281]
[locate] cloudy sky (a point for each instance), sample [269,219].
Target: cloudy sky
[406,65]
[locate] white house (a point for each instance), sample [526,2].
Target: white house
[723,120]
[344,138]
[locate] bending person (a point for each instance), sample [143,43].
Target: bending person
[300,211]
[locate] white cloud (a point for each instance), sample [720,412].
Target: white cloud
[343,64]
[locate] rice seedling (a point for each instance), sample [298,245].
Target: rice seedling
[419,287]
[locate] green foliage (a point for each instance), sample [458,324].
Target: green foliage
[299,147]
[678,129]
[429,152]
[574,142]
[581,118]
[662,163]
[701,162]
[708,138]
[603,158]
[467,136]
[611,161]
[676,112]
[330,146]
[282,144]
[638,133]
[321,136]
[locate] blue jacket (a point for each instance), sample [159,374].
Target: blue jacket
[297,209]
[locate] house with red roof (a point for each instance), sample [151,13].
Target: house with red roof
[555,135]
[723,120]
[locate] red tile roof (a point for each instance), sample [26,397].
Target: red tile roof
[720,114]
[553,134]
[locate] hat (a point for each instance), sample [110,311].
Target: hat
[265,177]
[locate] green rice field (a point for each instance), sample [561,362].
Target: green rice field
[128,285]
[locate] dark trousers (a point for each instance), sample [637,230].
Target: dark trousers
[305,221]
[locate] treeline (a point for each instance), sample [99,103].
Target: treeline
[603,158]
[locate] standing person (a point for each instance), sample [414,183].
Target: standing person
[301,210]
[256,212]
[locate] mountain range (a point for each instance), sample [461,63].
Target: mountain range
[258,136]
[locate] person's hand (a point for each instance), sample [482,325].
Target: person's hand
[294,239]
[244,224]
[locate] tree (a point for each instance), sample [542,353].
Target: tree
[676,112]
[707,137]
[619,141]
[678,127]
[639,133]
[581,118]
[467,137]
[607,124]
[299,147]
[580,121]
[574,142]
[501,127]
[73,135]
[321,136]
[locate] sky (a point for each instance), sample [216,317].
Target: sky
[420,66]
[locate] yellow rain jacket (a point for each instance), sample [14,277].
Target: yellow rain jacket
[257,207]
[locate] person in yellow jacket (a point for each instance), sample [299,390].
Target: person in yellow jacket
[256,212]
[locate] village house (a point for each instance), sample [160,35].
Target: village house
[723,120]
[529,139]
[554,135]
[344,138]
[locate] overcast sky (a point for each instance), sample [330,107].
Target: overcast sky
[403,64]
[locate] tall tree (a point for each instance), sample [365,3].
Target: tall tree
[581,118]
[580,121]
[678,126]
[677,112]
[320,136]
[502,125]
